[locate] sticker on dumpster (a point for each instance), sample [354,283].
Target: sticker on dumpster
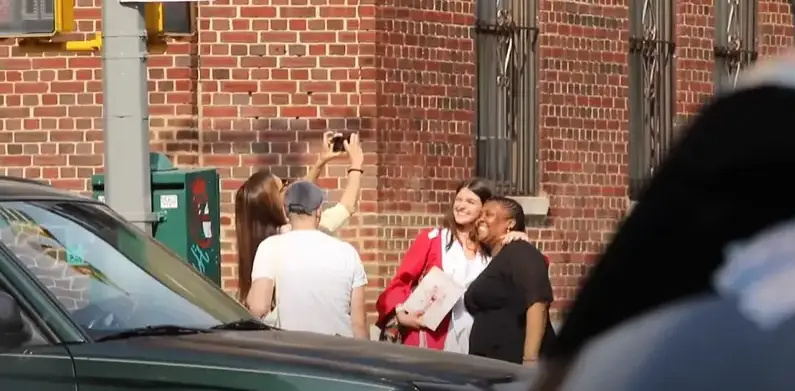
[200,225]
[169,201]
[101,198]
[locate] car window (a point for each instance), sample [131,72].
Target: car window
[108,276]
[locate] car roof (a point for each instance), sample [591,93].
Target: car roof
[17,189]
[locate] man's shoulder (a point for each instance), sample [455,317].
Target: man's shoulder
[339,249]
[270,240]
[341,244]
[322,240]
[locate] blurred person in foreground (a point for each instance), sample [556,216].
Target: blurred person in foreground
[510,299]
[723,183]
[259,209]
[319,280]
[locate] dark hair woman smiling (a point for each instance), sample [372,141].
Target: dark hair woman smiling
[510,299]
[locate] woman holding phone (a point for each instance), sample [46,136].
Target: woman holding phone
[259,212]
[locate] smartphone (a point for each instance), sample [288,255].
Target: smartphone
[338,143]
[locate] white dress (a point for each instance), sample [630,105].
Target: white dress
[463,271]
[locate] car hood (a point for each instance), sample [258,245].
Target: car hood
[340,355]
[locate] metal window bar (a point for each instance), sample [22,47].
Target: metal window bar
[38,10]
[735,40]
[651,88]
[507,96]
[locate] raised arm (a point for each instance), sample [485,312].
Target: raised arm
[406,277]
[335,217]
[326,156]
[350,197]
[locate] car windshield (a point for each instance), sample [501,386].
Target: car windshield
[108,275]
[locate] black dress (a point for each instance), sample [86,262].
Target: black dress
[498,300]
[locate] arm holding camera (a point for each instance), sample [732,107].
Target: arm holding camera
[350,197]
[335,217]
[326,156]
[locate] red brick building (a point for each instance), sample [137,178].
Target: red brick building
[261,79]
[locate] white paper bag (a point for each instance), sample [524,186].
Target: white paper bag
[435,297]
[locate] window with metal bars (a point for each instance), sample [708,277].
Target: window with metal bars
[735,39]
[507,96]
[651,88]
[38,10]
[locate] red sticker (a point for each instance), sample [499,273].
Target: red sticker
[199,214]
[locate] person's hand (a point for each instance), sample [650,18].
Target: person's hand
[328,153]
[515,235]
[355,153]
[410,320]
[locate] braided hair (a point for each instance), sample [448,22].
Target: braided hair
[514,210]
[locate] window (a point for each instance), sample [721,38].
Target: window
[26,17]
[735,39]
[179,18]
[108,276]
[507,101]
[651,88]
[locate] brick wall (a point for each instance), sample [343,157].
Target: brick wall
[263,78]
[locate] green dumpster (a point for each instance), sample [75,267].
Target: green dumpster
[188,204]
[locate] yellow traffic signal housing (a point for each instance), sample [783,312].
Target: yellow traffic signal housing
[36,18]
[170,18]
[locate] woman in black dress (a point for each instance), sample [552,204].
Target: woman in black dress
[510,299]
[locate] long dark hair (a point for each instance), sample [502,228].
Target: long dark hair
[258,215]
[481,189]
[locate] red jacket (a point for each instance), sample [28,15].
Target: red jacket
[425,252]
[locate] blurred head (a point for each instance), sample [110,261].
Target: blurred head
[501,215]
[470,195]
[258,215]
[302,202]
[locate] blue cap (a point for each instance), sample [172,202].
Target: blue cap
[303,197]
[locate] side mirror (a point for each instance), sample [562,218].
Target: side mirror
[13,332]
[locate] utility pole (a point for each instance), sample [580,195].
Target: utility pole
[126,111]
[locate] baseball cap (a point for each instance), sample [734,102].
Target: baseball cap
[303,197]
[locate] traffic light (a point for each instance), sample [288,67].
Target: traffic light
[170,18]
[36,18]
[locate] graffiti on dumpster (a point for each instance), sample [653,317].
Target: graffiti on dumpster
[201,258]
[201,226]
[201,252]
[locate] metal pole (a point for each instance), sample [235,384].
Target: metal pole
[126,110]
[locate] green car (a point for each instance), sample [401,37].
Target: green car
[90,303]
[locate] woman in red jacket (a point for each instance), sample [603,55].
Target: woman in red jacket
[453,249]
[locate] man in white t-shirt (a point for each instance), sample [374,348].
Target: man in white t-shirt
[319,279]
